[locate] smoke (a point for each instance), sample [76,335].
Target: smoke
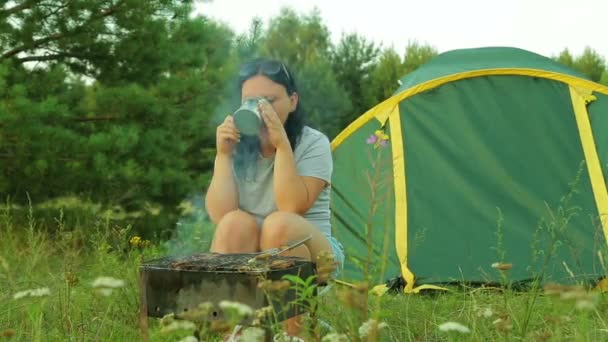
[193,230]
[229,101]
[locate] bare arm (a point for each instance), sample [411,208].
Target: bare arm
[293,193]
[222,196]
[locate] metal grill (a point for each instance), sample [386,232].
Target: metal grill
[179,285]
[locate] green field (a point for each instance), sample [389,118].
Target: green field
[63,259]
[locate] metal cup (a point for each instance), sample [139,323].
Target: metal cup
[247,118]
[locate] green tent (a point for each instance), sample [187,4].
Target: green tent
[482,159]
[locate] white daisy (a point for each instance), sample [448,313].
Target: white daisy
[454,326]
[242,309]
[43,291]
[367,326]
[335,337]
[108,282]
[179,325]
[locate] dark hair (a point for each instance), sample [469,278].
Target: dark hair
[246,150]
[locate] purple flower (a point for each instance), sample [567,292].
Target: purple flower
[379,138]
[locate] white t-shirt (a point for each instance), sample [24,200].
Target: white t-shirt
[313,158]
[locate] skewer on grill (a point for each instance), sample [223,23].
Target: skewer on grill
[278,250]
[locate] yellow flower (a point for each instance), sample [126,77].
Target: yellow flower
[135,241]
[380,134]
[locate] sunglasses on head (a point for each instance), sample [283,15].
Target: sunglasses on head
[270,68]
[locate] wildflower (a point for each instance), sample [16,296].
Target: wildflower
[485,312]
[108,282]
[371,326]
[178,325]
[189,339]
[253,334]
[379,138]
[71,278]
[354,298]
[335,337]
[186,207]
[134,241]
[284,337]
[104,247]
[264,312]
[241,309]
[43,291]
[137,241]
[502,267]
[167,319]
[503,324]
[105,285]
[454,326]
[326,265]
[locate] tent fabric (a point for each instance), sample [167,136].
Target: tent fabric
[489,58]
[482,156]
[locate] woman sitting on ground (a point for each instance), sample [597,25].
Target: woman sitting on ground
[273,187]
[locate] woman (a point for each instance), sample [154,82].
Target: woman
[269,189]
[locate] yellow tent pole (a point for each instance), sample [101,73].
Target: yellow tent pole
[400,190]
[580,97]
[382,110]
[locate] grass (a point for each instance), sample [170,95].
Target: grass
[69,257]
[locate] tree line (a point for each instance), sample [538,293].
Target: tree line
[116,101]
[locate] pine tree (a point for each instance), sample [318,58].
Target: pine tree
[113,101]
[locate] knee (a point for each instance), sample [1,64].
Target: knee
[237,225]
[275,230]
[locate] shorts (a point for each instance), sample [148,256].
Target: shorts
[338,251]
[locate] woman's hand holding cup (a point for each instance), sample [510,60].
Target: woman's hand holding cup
[227,136]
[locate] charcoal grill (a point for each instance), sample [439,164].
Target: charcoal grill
[178,285]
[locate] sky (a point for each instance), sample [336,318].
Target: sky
[543,26]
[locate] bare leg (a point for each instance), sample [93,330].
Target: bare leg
[281,227]
[237,232]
